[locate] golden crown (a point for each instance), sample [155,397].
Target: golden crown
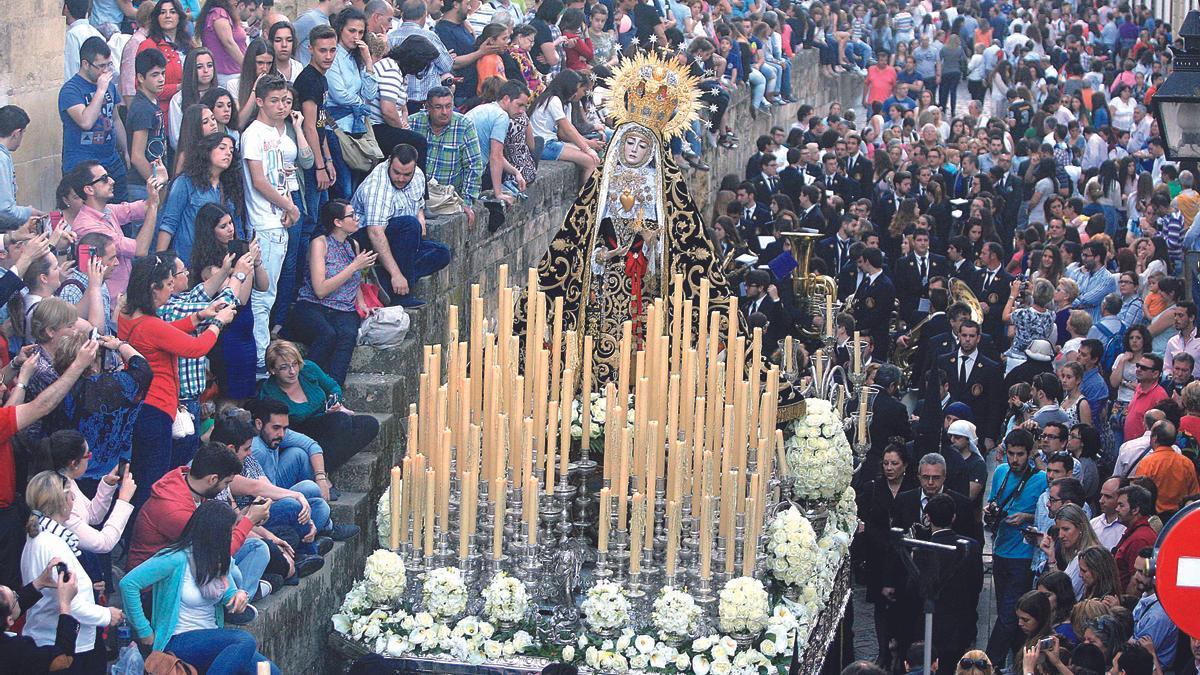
[657,93]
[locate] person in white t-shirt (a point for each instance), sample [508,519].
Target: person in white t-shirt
[272,195]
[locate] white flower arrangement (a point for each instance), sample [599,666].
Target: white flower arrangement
[383,518]
[606,661]
[605,608]
[384,577]
[505,599]
[818,453]
[792,556]
[676,613]
[445,592]
[599,413]
[845,512]
[744,606]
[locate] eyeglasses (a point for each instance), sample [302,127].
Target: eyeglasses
[291,366]
[1051,437]
[977,664]
[927,477]
[1141,366]
[1055,499]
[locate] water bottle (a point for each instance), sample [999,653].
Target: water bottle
[124,633]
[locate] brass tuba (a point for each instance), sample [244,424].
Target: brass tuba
[812,290]
[959,292]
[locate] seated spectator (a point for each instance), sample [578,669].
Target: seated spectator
[389,111]
[105,402]
[66,452]
[314,403]
[212,174]
[326,317]
[177,495]
[151,283]
[550,120]
[17,416]
[192,583]
[391,205]
[453,147]
[55,657]
[50,498]
[491,120]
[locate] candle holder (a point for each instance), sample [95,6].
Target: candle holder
[705,598]
[602,572]
[564,497]
[582,473]
[660,519]
[444,556]
[619,554]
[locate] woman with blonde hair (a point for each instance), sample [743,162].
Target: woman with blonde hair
[1084,612]
[1098,568]
[1074,534]
[51,499]
[1079,322]
[974,662]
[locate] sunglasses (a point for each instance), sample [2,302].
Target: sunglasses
[977,664]
[1139,366]
[102,178]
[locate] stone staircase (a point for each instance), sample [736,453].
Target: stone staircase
[294,623]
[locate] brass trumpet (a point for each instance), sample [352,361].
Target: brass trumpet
[811,289]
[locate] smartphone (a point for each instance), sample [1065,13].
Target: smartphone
[259,501]
[85,257]
[1046,643]
[62,570]
[95,334]
[44,226]
[122,467]
[332,401]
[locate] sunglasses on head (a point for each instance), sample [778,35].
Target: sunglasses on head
[977,664]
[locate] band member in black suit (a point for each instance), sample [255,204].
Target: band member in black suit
[936,323]
[768,183]
[977,381]
[958,580]
[836,249]
[888,202]
[766,147]
[758,299]
[836,182]
[850,276]
[858,166]
[962,266]
[874,301]
[755,217]
[791,178]
[811,216]
[942,344]
[912,274]
[994,287]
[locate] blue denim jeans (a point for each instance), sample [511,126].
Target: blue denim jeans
[860,54]
[251,561]
[416,256]
[329,333]
[294,467]
[273,244]
[1011,577]
[285,515]
[219,651]
[758,87]
[289,274]
[150,458]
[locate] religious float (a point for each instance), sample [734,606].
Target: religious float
[612,473]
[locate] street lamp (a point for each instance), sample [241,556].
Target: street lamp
[1177,101]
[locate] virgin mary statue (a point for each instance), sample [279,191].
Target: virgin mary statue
[634,226]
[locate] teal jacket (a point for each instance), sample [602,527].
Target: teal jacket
[163,575]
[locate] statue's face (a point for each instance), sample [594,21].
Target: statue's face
[634,149]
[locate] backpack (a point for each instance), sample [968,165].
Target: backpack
[1114,345]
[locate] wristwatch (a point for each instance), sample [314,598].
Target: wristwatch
[240,276]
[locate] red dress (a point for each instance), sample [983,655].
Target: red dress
[174,73]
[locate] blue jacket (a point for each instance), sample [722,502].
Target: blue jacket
[163,575]
[178,215]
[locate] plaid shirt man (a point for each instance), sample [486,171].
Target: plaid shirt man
[193,373]
[453,157]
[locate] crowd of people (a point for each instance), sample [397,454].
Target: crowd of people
[240,189]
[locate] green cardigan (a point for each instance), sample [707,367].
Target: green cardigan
[163,575]
[317,387]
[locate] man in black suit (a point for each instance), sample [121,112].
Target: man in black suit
[994,287]
[888,202]
[835,181]
[791,178]
[936,324]
[755,220]
[835,250]
[768,183]
[858,166]
[811,216]
[912,274]
[976,381]
[910,504]
[758,299]
[956,577]
[850,276]
[874,301]
[958,254]
[766,146]
[810,164]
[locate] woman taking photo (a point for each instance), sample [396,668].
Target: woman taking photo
[550,119]
[151,283]
[210,175]
[51,500]
[199,75]
[325,316]
[1027,324]
[168,35]
[221,33]
[1061,592]
[1074,534]
[190,590]
[1034,619]
[315,407]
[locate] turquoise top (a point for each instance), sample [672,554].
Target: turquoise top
[163,575]
[317,387]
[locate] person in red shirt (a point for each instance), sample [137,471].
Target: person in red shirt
[15,417]
[1134,508]
[580,49]
[1147,394]
[151,283]
[880,80]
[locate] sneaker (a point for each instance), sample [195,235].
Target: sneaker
[323,544]
[407,302]
[267,585]
[309,564]
[341,532]
[243,617]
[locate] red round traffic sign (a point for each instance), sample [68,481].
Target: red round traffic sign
[1177,569]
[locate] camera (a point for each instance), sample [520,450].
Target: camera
[993,515]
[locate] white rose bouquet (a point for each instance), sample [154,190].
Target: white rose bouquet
[818,454]
[792,556]
[845,512]
[445,592]
[505,599]
[744,606]
[384,577]
[675,613]
[605,608]
[383,518]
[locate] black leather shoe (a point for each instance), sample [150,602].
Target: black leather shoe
[309,565]
[324,545]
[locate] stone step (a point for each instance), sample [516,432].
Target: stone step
[361,472]
[367,391]
[357,508]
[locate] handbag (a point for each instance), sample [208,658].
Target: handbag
[166,663]
[385,328]
[184,425]
[361,152]
[443,200]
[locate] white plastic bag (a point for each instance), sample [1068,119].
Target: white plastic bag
[384,329]
[129,661]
